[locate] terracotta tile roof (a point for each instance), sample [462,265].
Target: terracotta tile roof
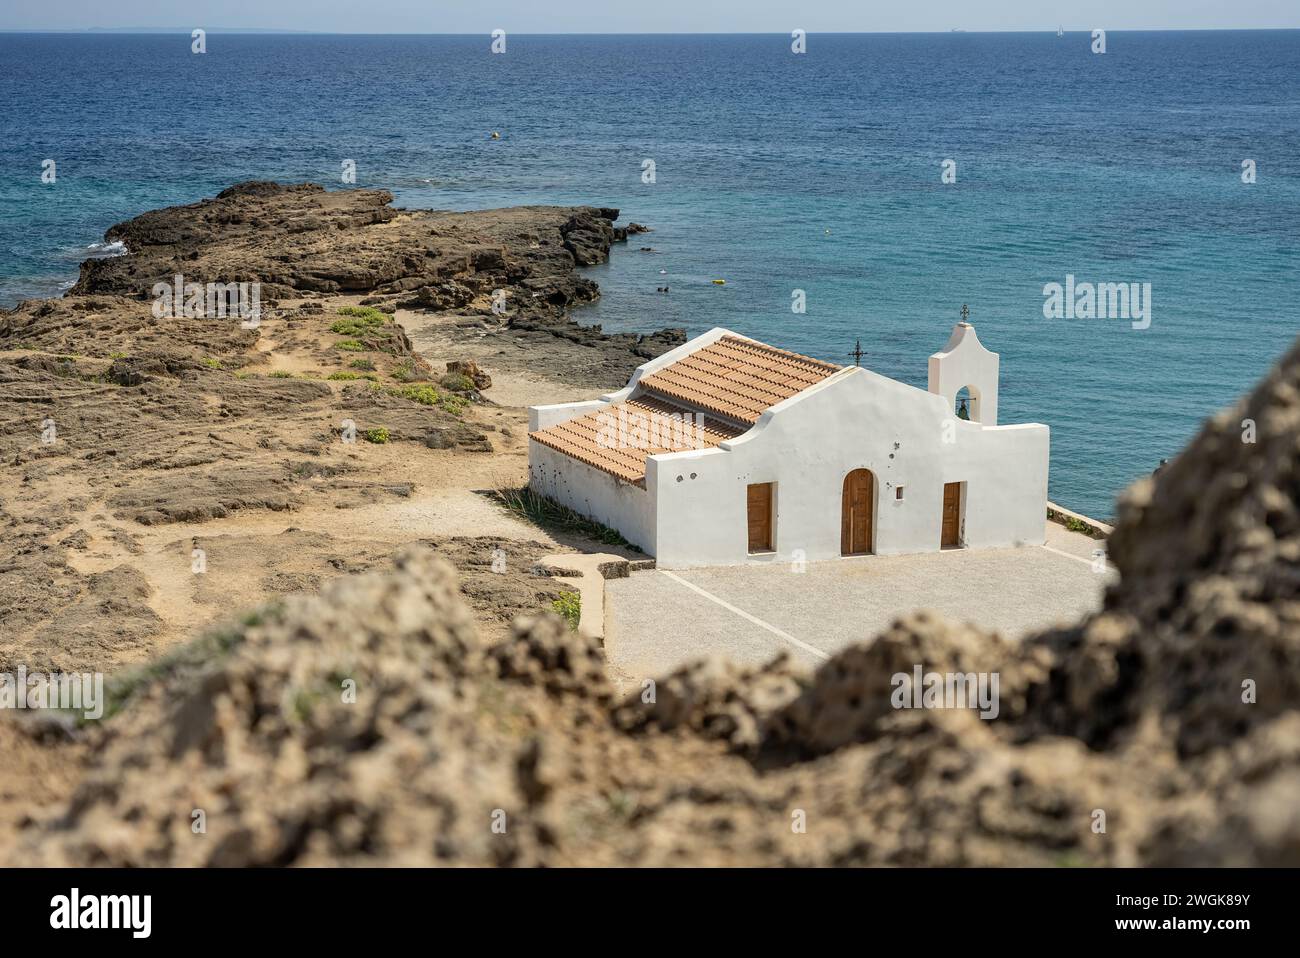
[618,438]
[738,378]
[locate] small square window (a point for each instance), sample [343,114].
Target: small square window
[898,492]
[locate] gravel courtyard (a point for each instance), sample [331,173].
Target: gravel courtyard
[656,620]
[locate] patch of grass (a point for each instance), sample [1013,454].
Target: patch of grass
[424,395]
[429,396]
[569,606]
[553,517]
[280,374]
[378,435]
[405,371]
[366,364]
[210,362]
[368,313]
[358,320]
[344,376]
[350,345]
[457,383]
[118,355]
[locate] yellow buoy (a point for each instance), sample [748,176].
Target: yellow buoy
[719,282]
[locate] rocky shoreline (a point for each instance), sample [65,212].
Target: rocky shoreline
[118,421]
[302,241]
[1174,711]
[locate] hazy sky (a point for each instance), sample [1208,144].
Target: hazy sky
[648,16]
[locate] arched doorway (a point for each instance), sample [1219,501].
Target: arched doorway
[857,513]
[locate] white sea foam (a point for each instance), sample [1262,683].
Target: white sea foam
[106,250]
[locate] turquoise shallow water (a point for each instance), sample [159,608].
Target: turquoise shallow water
[777,172]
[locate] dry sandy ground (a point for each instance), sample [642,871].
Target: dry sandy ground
[157,476]
[252,554]
[256,555]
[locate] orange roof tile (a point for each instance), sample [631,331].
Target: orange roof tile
[618,438]
[738,378]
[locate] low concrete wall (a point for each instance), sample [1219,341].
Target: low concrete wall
[544,417]
[1068,518]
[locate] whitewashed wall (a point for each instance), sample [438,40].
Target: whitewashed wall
[808,444]
[693,509]
[964,362]
[593,493]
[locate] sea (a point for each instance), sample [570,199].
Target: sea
[864,190]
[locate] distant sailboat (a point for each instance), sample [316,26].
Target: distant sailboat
[1060,32]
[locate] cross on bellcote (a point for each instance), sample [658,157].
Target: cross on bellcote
[857,354]
[965,312]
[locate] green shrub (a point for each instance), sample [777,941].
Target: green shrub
[457,382]
[350,345]
[424,395]
[358,320]
[453,404]
[280,374]
[405,371]
[351,327]
[367,364]
[368,313]
[569,606]
[427,395]
[210,362]
[378,435]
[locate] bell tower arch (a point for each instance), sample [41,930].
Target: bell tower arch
[965,366]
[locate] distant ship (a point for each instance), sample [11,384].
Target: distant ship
[1060,32]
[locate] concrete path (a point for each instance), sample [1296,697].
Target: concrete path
[589,583]
[658,619]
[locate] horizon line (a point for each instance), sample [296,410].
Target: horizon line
[279,31]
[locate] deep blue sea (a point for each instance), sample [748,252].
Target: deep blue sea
[775,171]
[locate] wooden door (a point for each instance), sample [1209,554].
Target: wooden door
[760,517]
[855,513]
[951,514]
